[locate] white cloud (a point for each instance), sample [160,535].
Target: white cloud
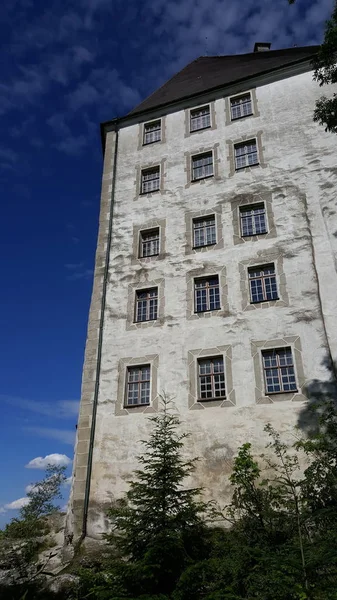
[68,481]
[17,504]
[63,409]
[59,460]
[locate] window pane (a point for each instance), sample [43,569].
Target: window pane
[245,154]
[150,180]
[263,285]
[204,232]
[152,132]
[211,378]
[279,370]
[253,221]
[147,305]
[241,107]
[200,118]
[202,166]
[149,243]
[207,294]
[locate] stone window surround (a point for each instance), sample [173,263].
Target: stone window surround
[269,256]
[189,218]
[202,150]
[131,303]
[212,113]
[228,99]
[124,363]
[207,270]
[138,179]
[141,126]
[245,138]
[292,342]
[249,200]
[192,360]
[137,229]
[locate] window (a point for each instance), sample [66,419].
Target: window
[253,220]
[149,243]
[204,232]
[262,283]
[200,118]
[138,385]
[150,180]
[206,294]
[146,305]
[279,373]
[211,378]
[241,106]
[202,166]
[246,154]
[152,132]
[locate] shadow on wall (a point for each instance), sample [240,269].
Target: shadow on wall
[318,392]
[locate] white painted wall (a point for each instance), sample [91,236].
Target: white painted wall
[301,164]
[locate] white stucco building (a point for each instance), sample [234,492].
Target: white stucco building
[215,278]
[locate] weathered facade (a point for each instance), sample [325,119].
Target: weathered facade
[242,271]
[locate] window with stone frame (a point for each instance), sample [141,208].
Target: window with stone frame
[200,118]
[152,132]
[149,243]
[204,231]
[150,180]
[146,305]
[253,220]
[138,385]
[262,283]
[206,294]
[211,378]
[246,154]
[202,166]
[241,106]
[279,371]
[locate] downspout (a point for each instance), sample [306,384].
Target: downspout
[99,347]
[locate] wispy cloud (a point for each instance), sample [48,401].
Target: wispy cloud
[61,435]
[62,409]
[56,460]
[78,271]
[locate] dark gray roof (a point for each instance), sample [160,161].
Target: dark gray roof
[210,72]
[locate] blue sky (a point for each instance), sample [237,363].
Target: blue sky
[67,68]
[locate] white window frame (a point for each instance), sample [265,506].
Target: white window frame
[151,137]
[207,230]
[251,208]
[244,109]
[143,182]
[203,168]
[153,243]
[200,121]
[249,158]
[139,383]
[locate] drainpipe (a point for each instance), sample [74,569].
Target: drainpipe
[99,348]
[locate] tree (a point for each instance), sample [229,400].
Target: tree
[159,527]
[22,540]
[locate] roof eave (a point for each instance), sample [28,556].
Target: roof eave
[134,117]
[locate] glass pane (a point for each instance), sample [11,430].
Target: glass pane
[200,119]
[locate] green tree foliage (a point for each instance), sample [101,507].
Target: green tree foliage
[325,65]
[22,575]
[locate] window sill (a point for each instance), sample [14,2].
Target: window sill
[200,312]
[203,246]
[246,167]
[149,193]
[145,321]
[219,398]
[136,405]
[148,256]
[253,234]
[149,143]
[200,129]
[202,178]
[282,392]
[262,301]
[241,117]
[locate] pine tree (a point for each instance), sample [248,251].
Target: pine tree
[159,528]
